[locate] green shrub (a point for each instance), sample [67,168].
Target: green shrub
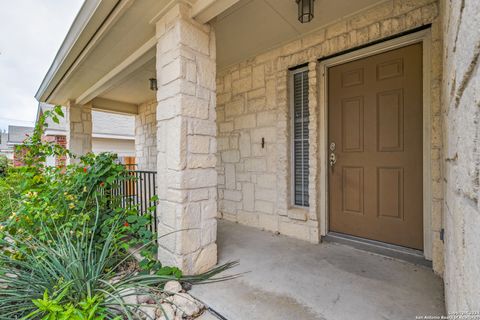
[68,277]
[64,236]
[34,198]
[3,165]
[53,309]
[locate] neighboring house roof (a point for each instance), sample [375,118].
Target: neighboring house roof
[104,124]
[18,134]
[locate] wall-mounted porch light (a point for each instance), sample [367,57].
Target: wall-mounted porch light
[153,84]
[305,10]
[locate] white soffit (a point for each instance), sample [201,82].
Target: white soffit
[136,87]
[251,27]
[88,20]
[130,32]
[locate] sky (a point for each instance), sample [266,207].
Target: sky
[31,32]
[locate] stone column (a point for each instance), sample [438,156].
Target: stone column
[146,136]
[79,128]
[186,141]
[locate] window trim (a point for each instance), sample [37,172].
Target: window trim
[291,91]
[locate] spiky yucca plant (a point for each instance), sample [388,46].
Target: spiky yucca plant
[69,277]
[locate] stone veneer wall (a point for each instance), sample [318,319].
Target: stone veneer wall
[186,141]
[461,99]
[79,129]
[146,136]
[253,102]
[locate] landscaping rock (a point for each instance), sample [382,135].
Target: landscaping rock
[145,299]
[129,296]
[186,305]
[2,282]
[166,312]
[186,286]
[115,280]
[147,312]
[173,287]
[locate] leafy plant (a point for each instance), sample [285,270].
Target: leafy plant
[35,195]
[35,149]
[53,309]
[67,277]
[3,165]
[65,238]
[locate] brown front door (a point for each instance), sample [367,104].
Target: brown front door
[375,133]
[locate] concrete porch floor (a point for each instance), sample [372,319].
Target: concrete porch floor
[292,279]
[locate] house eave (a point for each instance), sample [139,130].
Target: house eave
[112,136]
[90,17]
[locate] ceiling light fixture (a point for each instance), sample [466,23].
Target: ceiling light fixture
[153,84]
[305,10]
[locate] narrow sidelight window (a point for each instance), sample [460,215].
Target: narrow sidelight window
[300,119]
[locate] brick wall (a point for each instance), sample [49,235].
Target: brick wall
[252,103]
[61,161]
[60,140]
[461,99]
[18,155]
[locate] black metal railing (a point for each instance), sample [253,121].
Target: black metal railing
[138,191]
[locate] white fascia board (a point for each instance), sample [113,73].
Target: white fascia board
[112,136]
[92,12]
[55,132]
[94,135]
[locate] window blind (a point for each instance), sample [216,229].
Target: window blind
[300,138]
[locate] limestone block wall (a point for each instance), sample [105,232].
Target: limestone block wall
[146,136]
[186,141]
[79,128]
[461,99]
[253,103]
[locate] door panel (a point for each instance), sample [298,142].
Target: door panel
[352,193]
[375,121]
[352,124]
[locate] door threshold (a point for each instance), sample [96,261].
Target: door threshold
[390,250]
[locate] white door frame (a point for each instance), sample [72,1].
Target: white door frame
[423,37]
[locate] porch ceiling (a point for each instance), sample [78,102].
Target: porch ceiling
[134,88]
[254,26]
[119,35]
[118,56]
